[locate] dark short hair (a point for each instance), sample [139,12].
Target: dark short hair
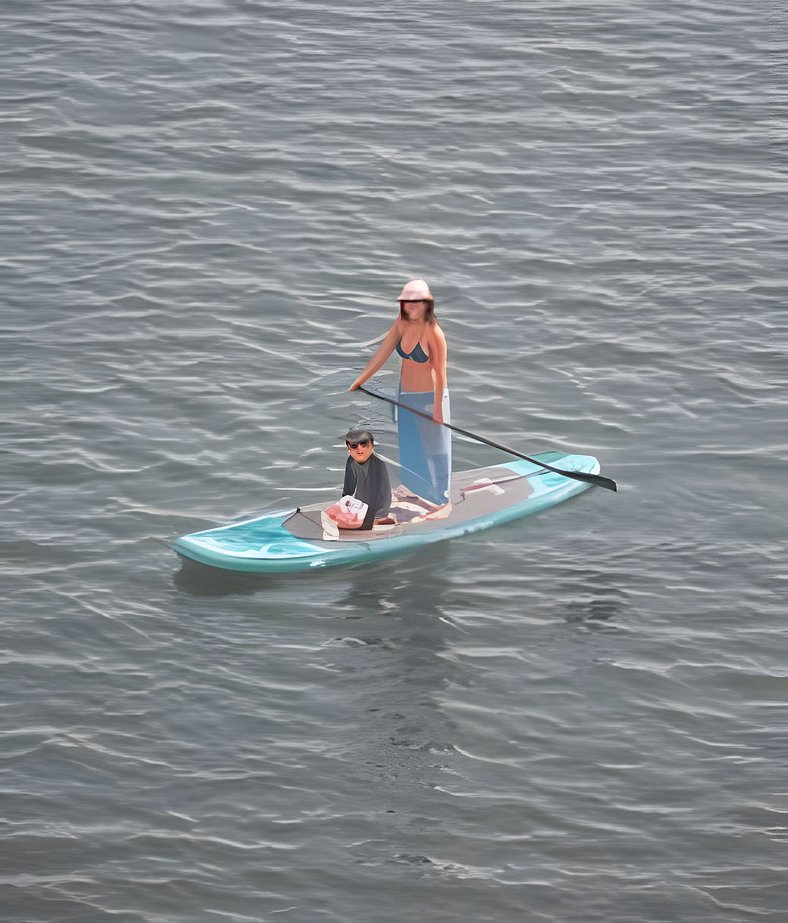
[353,435]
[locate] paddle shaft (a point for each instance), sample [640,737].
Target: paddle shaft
[596,479]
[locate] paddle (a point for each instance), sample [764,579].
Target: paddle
[596,479]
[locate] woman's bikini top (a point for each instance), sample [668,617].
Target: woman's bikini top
[417,354]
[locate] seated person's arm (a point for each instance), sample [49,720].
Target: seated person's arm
[380,494]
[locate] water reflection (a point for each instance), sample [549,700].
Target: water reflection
[396,658]
[399,680]
[592,598]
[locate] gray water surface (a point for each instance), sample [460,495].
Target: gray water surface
[208,208]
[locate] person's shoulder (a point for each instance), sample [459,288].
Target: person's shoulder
[380,473]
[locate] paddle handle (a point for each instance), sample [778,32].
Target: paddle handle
[596,479]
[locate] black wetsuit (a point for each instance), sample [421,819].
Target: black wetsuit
[370,484]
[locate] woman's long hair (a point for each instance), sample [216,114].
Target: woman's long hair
[429,313]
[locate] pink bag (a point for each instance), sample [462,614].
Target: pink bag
[348,511]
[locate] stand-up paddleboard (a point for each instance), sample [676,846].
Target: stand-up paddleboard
[294,540]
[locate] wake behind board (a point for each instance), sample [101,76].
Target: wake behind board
[293,540]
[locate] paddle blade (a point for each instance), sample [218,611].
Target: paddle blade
[596,479]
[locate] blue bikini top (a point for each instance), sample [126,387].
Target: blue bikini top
[417,354]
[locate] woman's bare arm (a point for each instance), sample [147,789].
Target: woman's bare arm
[382,353]
[437,344]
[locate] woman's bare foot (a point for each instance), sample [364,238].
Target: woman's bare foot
[404,493]
[440,512]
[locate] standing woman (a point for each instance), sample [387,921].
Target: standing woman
[424,447]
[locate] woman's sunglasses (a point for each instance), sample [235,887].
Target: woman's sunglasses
[355,445]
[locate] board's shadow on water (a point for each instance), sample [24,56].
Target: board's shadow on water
[372,582]
[201,580]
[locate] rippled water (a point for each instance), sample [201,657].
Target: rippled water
[208,208]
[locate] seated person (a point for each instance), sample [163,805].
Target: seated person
[366,480]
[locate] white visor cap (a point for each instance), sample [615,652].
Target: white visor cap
[415,290]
